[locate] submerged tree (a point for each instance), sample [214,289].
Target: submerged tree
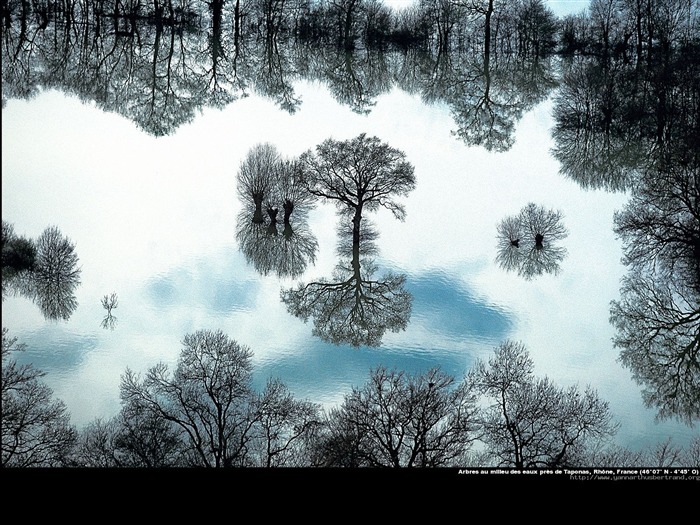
[36,430]
[45,271]
[358,174]
[400,420]
[531,423]
[527,243]
[256,176]
[286,253]
[290,191]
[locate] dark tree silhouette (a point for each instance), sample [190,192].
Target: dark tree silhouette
[256,177]
[658,333]
[208,397]
[18,254]
[285,428]
[527,242]
[399,420]
[135,438]
[598,132]
[36,430]
[660,225]
[361,173]
[531,423]
[658,314]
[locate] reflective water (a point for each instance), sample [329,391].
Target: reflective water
[154,219]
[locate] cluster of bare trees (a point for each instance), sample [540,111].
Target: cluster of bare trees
[358,175]
[658,314]
[632,126]
[267,179]
[524,26]
[205,413]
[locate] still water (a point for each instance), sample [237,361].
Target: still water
[154,220]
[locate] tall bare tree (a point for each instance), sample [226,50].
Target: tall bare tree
[358,174]
[532,423]
[208,396]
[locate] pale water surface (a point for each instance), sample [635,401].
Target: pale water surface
[154,220]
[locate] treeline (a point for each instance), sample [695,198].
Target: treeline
[525,26]
[522,26]
[206,413]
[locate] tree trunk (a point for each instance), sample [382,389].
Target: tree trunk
[288,209]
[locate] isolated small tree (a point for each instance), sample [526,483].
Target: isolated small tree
[527,242]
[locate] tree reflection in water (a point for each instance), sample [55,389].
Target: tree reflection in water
[658,315]
[286,253]
[353,307]
[45,271]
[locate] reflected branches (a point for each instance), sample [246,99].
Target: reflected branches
[354,306]
[658,315]
[109,303]
[45,271]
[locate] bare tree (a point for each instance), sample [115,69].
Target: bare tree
[531,423]
[527,242]
[657,323]
[208,397]
[36,430]
[285,428]
[361,173]
[56,274]
[399,420]
[256,176]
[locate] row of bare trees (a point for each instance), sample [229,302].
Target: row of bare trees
[637,27]
[623,126]
[205,413]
